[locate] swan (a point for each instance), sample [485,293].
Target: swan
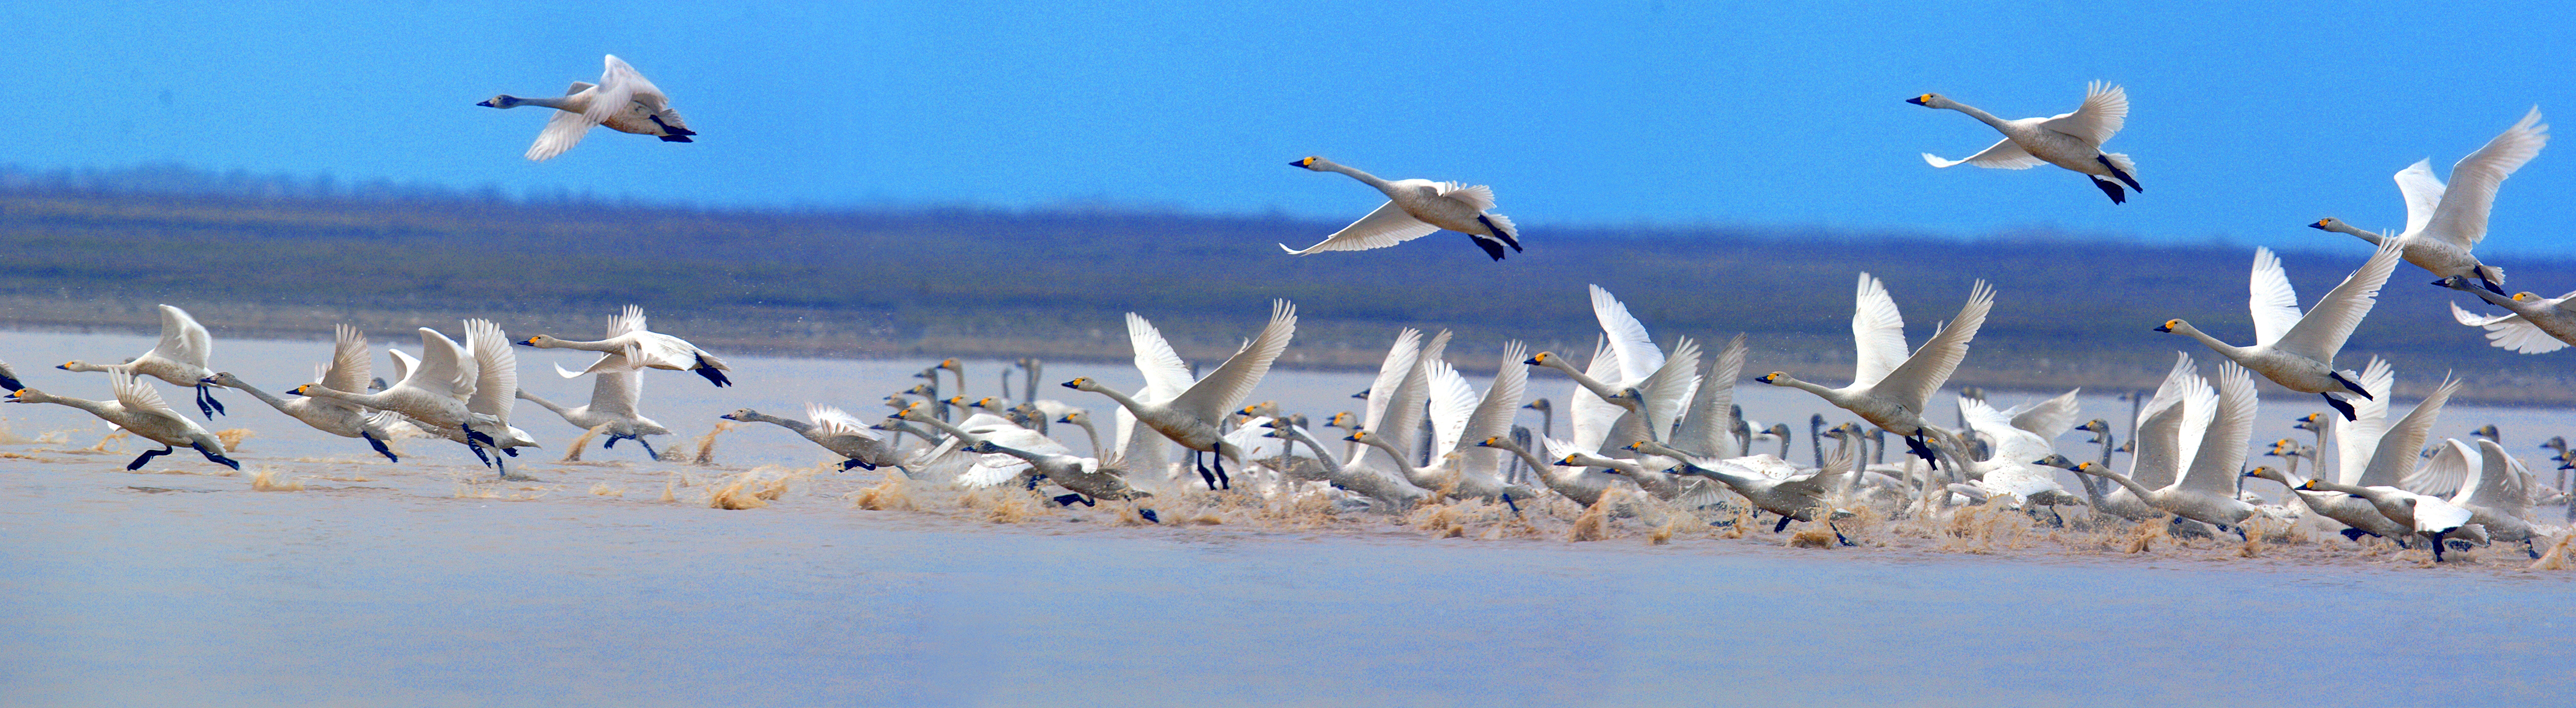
[2294,350]
[2378,480]
[2492,492]
[1460,420]
[1084,476]
[2444,223]
[2430,517]
[629,336]
[1367,481]
[2532,324]
[1082,418]
[2170,426]
[1577,482]
[348,370]
[1415,208]
[179,358]
[139,410]
[1191,417]
[1452,484]
[1889,388]
[432,393]
[614,397]
[1794,499]
[622,100]
[834,430]
[1708,424]
[1777,432]
[2206,492]
[2011,470]
[1138,447]
[2069,140]
[1605,417]
[988,469]
[1399,377]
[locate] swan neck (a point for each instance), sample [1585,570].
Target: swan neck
[541,403]
[1974,112]
[1804,385]
[2232,351]
[1355,173]
[554,103]
[1404,465]
[2123,480]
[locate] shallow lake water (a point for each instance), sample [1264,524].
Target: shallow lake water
[429,583]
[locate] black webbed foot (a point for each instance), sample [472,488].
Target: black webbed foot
[612,442]
[1516,508]
[2340,407]
[1784,523]
[217,459]
[714,375]
[649,452]
[1069,499]
[1838,535]
[2111,188]
[379,445]
[1149,515]
[147,456]
[2122,175]
[2354,535]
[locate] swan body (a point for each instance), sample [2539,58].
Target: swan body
[1582,484]
[1084,476]
[179,358]
[139,410]
[432,392]
[629,337]
[2297,350]
[1191,418]
[2069,140]
[2443,223]
[1605,419]
[614,396]
[1415,208]
[1800,498]
[834,430]
[349,370]
[622,100]
[1889,388]
[2013,470]
[2532,324]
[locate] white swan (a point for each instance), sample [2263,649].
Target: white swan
[179,358]
[349,370]
[432,393]
[1889,388]
[1137,448]
[2531,324]
[1415,208]
[1191,418]
[2444,223]
[1708,425]
[1396,409]
[2294,350]
[622,100]
[1584,485]
[1368,481]
[614,397]
[2069,140]
[1793,498]
[2207,490]
[629,336]
[834,430]
[1084,476]
[2013,470]
[1460,420]
[2489,490]
[139,410]
[2393,456]
[1627,358]
[2170,426]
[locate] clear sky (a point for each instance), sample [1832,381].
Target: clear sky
[2247,121]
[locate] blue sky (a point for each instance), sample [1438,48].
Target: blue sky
[2246,121]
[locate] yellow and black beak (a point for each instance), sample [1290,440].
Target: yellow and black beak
[1923,100]
[1308,163]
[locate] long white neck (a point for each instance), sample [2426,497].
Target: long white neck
[1355,173]
[370,400]
[2230,350]
[97,408]
[1401,464]
[543,403]
[1331,466]
[2134,487]
[601,347]
[554,103]
[1973,112]
[2338,226]
[1830,396]
[1132,405]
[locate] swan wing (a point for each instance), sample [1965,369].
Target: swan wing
[2396,453]
[2105,110]
[2049,418]
[1212,397]
[2161,451]
[404,364]
[1388,226]
[2322,332]
[138,396]
[1478,197]
[1670,388]
[1638,357]
[2356,439]
[1165,374]
[1390,375]
[2454,465]
[1405,411]
[2435,514]
[1502,402]
[496,370]
[2422,191]
[2275,305]
[2003,155]
[2214,468]
[1709,427]
[2461,220]
[2013,445]
[1913,383]
[629,321]
[1587,415]
[618,393]
[563,130]
[444,368]
[1453,406]
[182,339]
[2498,485]
[1878,333]
[350,369]
[621,85]
[2510,332]
[836,422]
[2463,316]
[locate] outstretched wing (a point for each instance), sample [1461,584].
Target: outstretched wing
[138,396]
[350,368]
[2322,332]
[1166,375]
[1222,390]
[2105,110]
[2462,217]
[2049,418]
[1478,197]
[564,130]
[1388,226]
[2275,305]
[1638,357]
[2003,155]
[2423,193]
[1878,333]
[1913,384]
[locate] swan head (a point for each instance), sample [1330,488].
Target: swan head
[1075,418]
[1345,420]
[500,101]
[539,341]
[1540,405]
[2172,326]
[2059,461]
[1777,429]
[1496,441]
[2487,431]
[1540,359]
[951,365]
[922,390]
[1357,436]
[25,395]
[2325,224]
[1080,383]
[2524,296]
[1362,395]
[1927,100]
[2264,472]
[1774,378]
[1310,162]
[741,414]
[1569,461]
[2311,485]
[1638,446]
[2307,422]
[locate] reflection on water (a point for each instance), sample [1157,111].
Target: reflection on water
[429,581]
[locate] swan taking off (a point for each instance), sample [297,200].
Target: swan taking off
[2069,140]
[1192,416]
[179,358]
[1414,209]
[631,343]
[2444,223]
[622,100]
[2297,351]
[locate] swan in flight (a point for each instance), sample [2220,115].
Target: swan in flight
[837,431]
[1889,388]
[2487,487]
[139,410]
[2069,140]
[614,397]
[1625,359]
[1415,208]
[2444,223]
[1084,476]
[629,336]
[1366,481]
[431,393]
[622,100]
[2379,481]
[349,370]
[2294,350]
[2532,324]
[179,358]
[1191,418]
[2206,492]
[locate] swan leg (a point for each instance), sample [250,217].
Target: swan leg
[1784,523]
[1506,236]
[1516,511]
[648,448]
[379,445]
[2340,406]
[612,441]
[714,375]
[217,459]
[673,131]
[1914,444]
[1069,499]
[511,451]
[1838,535]
[2354,535]
[846,464]
[206,404]
[1219,458]
[478,454]
[471,436]
[1033,481]
[2528,548]
[2116,172]
[2437,545]
[2111,188]
[1491,249]
[1201,464]
[2060,518]
[146,457]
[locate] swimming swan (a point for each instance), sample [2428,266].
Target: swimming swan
[2069,140]
[1415,208]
